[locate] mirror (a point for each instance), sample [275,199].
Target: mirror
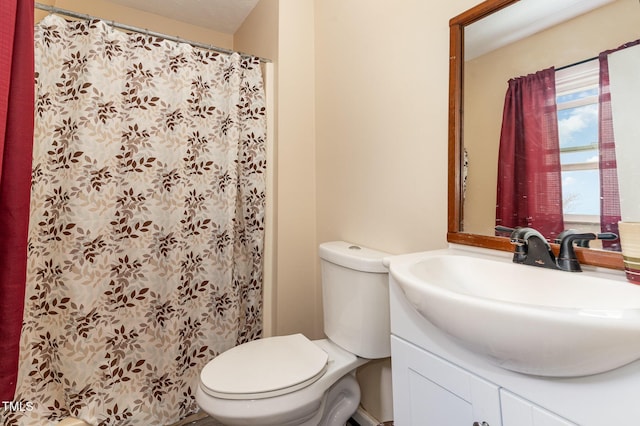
[490,44]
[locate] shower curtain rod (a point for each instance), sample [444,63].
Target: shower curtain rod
[72,14]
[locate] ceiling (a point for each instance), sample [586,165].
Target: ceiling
[521,20]
[223,16]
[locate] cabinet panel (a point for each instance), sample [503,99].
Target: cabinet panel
[429,391]
[431,404]
[520,412]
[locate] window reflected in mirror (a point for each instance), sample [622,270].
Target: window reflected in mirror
[578,147]
[577,103]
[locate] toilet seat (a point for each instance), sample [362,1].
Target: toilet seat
[264,368]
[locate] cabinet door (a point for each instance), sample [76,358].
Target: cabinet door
[517,411]
[429,391]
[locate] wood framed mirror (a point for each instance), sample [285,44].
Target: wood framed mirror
[456,230]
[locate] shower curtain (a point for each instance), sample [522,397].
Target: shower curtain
[147,223]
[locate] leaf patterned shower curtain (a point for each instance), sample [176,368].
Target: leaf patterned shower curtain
[146,233]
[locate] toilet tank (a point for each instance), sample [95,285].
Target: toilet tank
[355,296]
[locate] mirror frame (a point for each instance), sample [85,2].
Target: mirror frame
[455,206]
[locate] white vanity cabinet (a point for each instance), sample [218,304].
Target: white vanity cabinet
[517,411]
[428,390]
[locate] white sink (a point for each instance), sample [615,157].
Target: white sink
[523,318]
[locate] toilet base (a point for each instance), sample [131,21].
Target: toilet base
[341,402]
[334,409]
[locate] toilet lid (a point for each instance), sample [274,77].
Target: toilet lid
[264,368]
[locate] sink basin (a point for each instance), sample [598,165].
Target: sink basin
[523,318]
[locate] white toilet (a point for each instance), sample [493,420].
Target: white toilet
[291,380]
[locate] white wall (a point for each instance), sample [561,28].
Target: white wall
[296,293]
[381,121]
[381,102]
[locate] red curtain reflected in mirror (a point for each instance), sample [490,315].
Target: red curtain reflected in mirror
[529,190]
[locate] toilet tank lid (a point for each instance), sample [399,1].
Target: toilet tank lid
[353,256]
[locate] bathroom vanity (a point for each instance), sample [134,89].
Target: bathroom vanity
[438,380]
[432,390]
[575,361]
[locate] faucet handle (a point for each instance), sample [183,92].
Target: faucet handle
[500,228]
[607,236]
[584,243]
[515,235]
[602,236]
[563,234]
[567,259]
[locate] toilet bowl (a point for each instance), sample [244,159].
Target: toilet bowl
[291,380]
